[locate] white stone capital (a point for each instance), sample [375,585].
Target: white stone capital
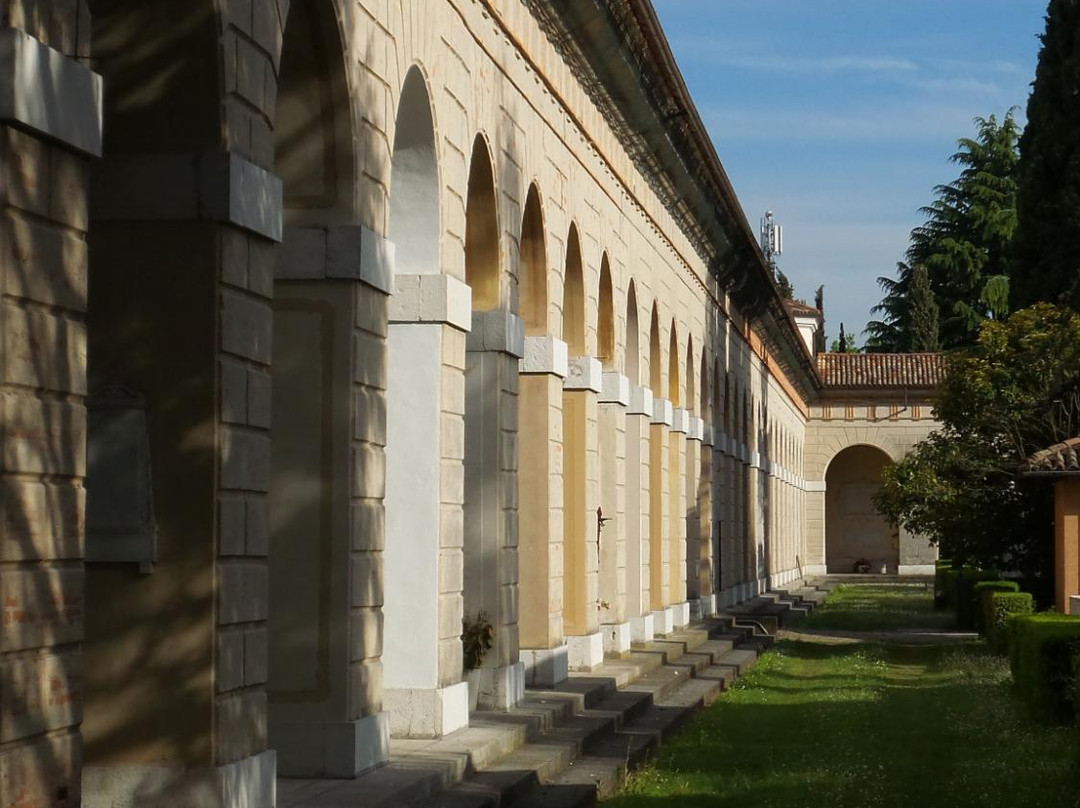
[584,373]
[815,486]
[707,436]
[49,93]
[498,331]
[697,429]
[616,389]
[641,401]
[342,252]
[544,355]
[432,299]
[663,413]
[680,420]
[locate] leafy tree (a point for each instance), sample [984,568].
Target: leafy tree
[964,244]
[787,291]
[1047,249]
[922,313]
[845,343]
[1015,392]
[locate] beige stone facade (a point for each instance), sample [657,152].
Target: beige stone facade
[387,304]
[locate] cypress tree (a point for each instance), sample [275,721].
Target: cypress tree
[1046,253]
[923,314]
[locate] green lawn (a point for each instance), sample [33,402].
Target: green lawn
[879,608]
[862,725]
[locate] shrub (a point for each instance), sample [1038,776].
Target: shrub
[1003,604]
[982,593]
[966,605]
[1042,651]
[941,567]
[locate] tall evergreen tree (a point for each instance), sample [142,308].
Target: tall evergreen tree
[1046,262]
[964,244]
[923,313]
[787,290]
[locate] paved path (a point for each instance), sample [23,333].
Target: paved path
[906,636]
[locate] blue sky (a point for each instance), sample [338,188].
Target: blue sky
[840,117]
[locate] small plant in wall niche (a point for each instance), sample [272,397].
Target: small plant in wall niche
[477,635]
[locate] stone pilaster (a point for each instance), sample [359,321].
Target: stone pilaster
[638,607]
[613,404]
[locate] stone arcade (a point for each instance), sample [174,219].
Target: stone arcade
[379,304]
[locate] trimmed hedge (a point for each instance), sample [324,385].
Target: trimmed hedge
[982,592]
[1043,650]
[941,595]
[966,604]
[1003,604]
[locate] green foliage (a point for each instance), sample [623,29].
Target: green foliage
[983,593]
[967,600]
[943,594]
[787,290]
[1047,244]
[923,313]
[845,343]
[1015,392]
[964,245]
[477,636]
[1003,604]
[1042,648]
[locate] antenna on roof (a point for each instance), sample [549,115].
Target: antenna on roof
[772,238]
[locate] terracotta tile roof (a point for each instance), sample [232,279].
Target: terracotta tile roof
[800,309]
[1061,458]
[919,370]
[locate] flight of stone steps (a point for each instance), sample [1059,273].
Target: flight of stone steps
[568,746]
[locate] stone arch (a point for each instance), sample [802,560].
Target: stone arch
[414,181]
[605,329]
[655,369]
[674,387]
[691,381]
[854,530]
[532,266]
[632,347]
[482,266]
[573,329]
[313,132]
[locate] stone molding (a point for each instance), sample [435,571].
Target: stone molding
[815,486]
[662,413]
[584,373]
[544,355]
[697,429]
[211,186]
[616,388]
[431,299]
[498,331]
[680,421]
[344,252]
[49,93]
[641,401]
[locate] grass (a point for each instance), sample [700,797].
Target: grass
[879,608]
[857,725]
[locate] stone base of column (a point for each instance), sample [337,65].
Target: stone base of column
[642,629]
[663,621]
[707,605]
[916,569]
[585,652]
[545,667]
[422,713]
[1074,604]
[680,614]
[617,638]
[340,749]
[247,783]
[501,688]
[815,569]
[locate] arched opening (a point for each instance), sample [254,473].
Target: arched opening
[632,352]
[674,386]
[574,297]
[605,329]
[416,605]
[854,530]
[576,606]
[691,388]
[414,188]
[655,368]
[482,230]
[532,267]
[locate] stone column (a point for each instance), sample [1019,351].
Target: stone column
[581,590]
[659,516]
[710,524]
[699,513]
[540,482]
[1066,542]
[50,130]
[814,517]
[638,417]
[678,487]
[613,403]
[326,503]
[425,449]
[494,348]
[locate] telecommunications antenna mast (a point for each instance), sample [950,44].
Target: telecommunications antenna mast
[772,238]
